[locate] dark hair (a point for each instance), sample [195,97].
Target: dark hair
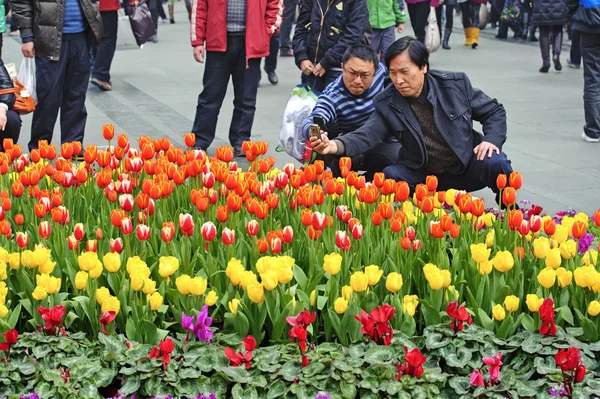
[416,50]
[363,52]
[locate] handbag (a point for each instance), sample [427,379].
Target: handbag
[141,23]
[432,34]
[511,13]
[24,103]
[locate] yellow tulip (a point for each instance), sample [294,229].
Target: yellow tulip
[561,233]
[446,278]
[88,260]
[553,258]
[39,293]
[81,279]
[332,263]
[547,277]
[96,272]
[593,308]
[503,261]
[541,245]
[137,282]
[234,271]
[53,285]
[568,249]
[393,282]
[450,196]
[590,258]
[534,302]
[583,276]
[14,260]
[285,275]
[409,304]
[4,255]
[256,292]
[3,311]
[155,300]
[480,253]
[340,305]
[313,297]
[451,294]
[47,267]
[485,267]
[347,292]
[25,258]
[112,262]
[498,313]
[374,273]
[211,298]
[137,266]
[233,305]
[101,294]
[183,284]
[167,266]
[428,269]
[511,303]
[359,281]
[198,286]
[3,272]
[269,280]
[40,256]
[490,238]
[564,277]
[436,280]
[149,286]
[111,304]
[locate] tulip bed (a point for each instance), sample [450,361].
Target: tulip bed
[155,262]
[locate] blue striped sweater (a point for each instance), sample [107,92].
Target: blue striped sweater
[342,111]
[74,20]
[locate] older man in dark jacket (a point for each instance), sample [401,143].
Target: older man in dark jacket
[586,19]
[324,31]
[59,33]
[431,114]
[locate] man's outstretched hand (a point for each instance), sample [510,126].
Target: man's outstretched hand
[324,146]
[485,148]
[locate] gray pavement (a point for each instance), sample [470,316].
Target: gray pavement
[156,89]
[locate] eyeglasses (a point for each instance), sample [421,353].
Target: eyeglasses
[362,76]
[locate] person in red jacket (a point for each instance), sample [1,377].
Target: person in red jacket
[106,50]
[231,36]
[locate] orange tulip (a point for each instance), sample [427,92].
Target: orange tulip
[313,233]
[225,153]
[428,205]
[222,214]
[596,218]
[446,222]
[421,192]
[435,229]
[376,218]
[465,203]
[431,182]
[385,209]
[108,132]
[39,210]
[189,139]
[261,210]
[19,219]
[519,252]
[501,181]
[478,207]
[509,196]
[405,243]
[454,230]
[330,186]
[122,141]
[17,188]
[515,180]
[402,191]
[388,187]
[378,179]
[579,229]
[345,165]
[515,217]
[396,224]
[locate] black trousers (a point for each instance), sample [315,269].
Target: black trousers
[105,52]
[418,14]
[12,130]
[590,51]
[220,66]
[557,34]
[62,85]
[271,59]
[289,15]
[470,14]
[575,47]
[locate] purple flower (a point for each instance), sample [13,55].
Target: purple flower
[552,391]
[187,322]
[205,396]
[322,395]
[584,243]
[30,395]
[202,327]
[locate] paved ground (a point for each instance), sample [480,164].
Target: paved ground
[155,92]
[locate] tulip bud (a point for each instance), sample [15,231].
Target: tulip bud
[126,225]
[288,234]
[22,239]
[142,232]
[72,243]
[116,245]
[98,234]
[209,231]
[44,229]
[580,373]
[168,231]
[275,244]
[91,246]
[79,231]
[227,236]
[410,233]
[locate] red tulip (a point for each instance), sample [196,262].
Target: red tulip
[72,243]
[168,231]
[126,225]
[252,228]
[186,224]
[319,221]
[410,233]
[208,180]
[22,239]
[342,241]
[524,228]
[79,231]
[275,244]
[44,229]
[357,231]
[416,244]
[142,232]
[116,245]
[288,234]
[405,243]
[209,231]
[227,236]
[535,223]
[91,246]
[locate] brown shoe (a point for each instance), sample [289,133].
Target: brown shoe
[286,53]
[102,85]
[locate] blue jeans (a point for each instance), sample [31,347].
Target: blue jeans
[590,51]
[479,174]
[381,39]
[62,85]
[220,66]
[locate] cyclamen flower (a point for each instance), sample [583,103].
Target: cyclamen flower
[322,395]
[202,327]
[376,325]
[413,364]
[476,379]
[494,363]
[30,395]
[459,316]
[546,312]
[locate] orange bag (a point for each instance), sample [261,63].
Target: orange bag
[24,103]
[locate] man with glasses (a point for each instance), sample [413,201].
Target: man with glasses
[347,103]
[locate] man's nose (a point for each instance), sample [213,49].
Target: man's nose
[357,79]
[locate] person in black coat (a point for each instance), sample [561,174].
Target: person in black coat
[324,31]
[550,16]
[10,122]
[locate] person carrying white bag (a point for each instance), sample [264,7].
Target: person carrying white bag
[432,35]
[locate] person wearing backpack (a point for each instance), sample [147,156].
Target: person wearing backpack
[324,31]
[385,17]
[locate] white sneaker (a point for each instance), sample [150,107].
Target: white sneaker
[589,139]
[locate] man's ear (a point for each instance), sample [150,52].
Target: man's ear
[425,69]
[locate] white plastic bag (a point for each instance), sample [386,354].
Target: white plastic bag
[125,39]
[432,33]
[298,107]
[26,76]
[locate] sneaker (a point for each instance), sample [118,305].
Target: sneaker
[571,65]
[165,21]
[104,86]
[589,139]
[272,78]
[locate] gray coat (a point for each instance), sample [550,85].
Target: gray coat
[44,19]
[456,104]
[549,12]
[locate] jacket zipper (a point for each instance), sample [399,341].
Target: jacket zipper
[336,30]
[419,139]
[320,27]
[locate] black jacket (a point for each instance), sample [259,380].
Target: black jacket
[44,20]
[6,83]
[586,15]
[456,104]
[549,12]
[325,30]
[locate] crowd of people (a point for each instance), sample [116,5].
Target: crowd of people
[380,103]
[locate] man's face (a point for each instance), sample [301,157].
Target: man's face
[358,75]
[407,77]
